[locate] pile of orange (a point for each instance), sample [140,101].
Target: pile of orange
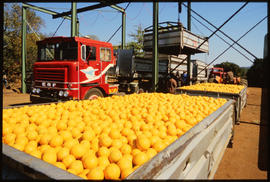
[106,138]
[215,87]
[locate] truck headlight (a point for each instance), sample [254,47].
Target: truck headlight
[66,93]
[38,90]
[53,84]
[43,84]
[34,90]
[49,84]
[61,93]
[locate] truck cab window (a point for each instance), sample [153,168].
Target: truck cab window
[58,51]
[105,54]
[83,51]
[90,53]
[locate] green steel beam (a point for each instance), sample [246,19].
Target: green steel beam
[88,8]
[117,8]
[43,10]
[155,47]
[189,28]
[123,42]
[73,19]
[23,85]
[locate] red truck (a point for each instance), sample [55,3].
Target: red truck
[218,74]
[72,68]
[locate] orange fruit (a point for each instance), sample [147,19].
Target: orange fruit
[61,126]
[6,130]
[90,162]
[143,143]
[125,131]
[18,130]
[115,155]
[95,144]
[112,171]
[77,166]
[76,133]
[151,153]
[125,149]
[60,165]
[125,172]
[21,140]
[88,135]
[68,160]
[19,146]
[78,150]
[49,156]
[10,139]
[62,153]
[103,151]
[45,139]
[56,140]
[85,172]
[29,148]
[140,158]
[135,151]
[159,146]
[72,171]
[89,152]
[124,163]
[96,174]
[52,130]
[114,134]
[86,143]
[103,161]
[36,153]
[66,135]
[117,143]
[105,141]
[171,130]
[70,143]
[128,156]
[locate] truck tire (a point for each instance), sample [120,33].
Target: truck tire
[93,93]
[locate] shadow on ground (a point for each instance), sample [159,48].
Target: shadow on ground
[263,158]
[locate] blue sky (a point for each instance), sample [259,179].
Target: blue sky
[105,21]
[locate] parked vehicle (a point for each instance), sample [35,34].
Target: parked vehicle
[72,68]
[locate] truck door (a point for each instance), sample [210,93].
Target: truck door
[106,61]
[92,66]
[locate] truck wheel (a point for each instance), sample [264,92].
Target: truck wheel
[93,93]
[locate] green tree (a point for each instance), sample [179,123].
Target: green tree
[12,39]
[137,43]
[255,73]
[228,66]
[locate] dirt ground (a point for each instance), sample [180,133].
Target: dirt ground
[247,159]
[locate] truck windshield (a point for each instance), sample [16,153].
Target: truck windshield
[217,70]
[58,51]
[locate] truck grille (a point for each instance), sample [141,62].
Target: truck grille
[50,74]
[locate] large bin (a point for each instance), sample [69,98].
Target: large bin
[240,98]
[174,39]
[195,155]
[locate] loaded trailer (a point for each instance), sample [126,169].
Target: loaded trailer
[133,73]
[195,155]
[240,98]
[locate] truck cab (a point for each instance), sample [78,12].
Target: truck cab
[218,73]
[72,68]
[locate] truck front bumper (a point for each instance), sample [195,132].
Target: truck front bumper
[42,99]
